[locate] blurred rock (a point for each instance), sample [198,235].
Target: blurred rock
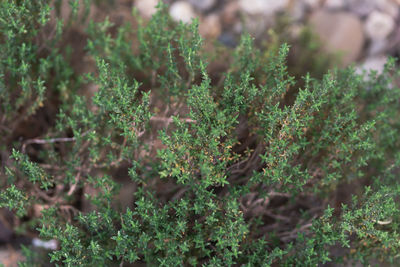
[339,32]
[10,257]
[238,27]
[297,10]
[312,4]
[46,244]
[203,5]
[379,25]
[376,63]
[365,7]
[257,24]
[377,47]
[254,7]
[229,14]
[362,7]
[335,4]
[182,11]
[210,26]
[389,7]
[146,7]
[228,39]
[295,30]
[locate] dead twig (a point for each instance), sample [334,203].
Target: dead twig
[44,196]
[292,235]
[48,141]
[169,120]
[74,186]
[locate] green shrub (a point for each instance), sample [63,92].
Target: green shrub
[250,171]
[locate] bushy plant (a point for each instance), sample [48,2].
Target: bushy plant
[250,171]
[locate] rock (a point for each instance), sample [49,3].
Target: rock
[10,257]
[366,7]
[229,14]
[312,4]
[362,7]
[182,11]
[228,39]
[335,4]
[238,28]
[254,7]
[210,26]
[389,7]
[146,7]
[297,10]
[376,63]
[257,24]
[295,30]
[339,32]
[203,5]
[258,15]
[377,47]
[50,244]
[379,25]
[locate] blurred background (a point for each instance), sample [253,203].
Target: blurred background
[363,32]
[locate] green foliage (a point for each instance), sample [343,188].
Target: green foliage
[14,199]
[243,172]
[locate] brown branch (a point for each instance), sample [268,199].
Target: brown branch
[169,120]
[48,141]
[44,196]
[74,186]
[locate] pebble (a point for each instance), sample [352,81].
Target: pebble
[230,14]
[182,11]
[366,7]
[295,30]
[146,7]
[297,10]
[389,7]
[210,26]
[377,47]
[312,4]
[362,7]
[50,245]
[379,25]
[335,4]
[10,257]
[256,25]
[254,7]
[228,39]
[339,32]
[376,63]
[203,5]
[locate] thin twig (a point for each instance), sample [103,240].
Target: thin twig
[44,196]
[74,186]
[48,141]
[169,120]
[291,235]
